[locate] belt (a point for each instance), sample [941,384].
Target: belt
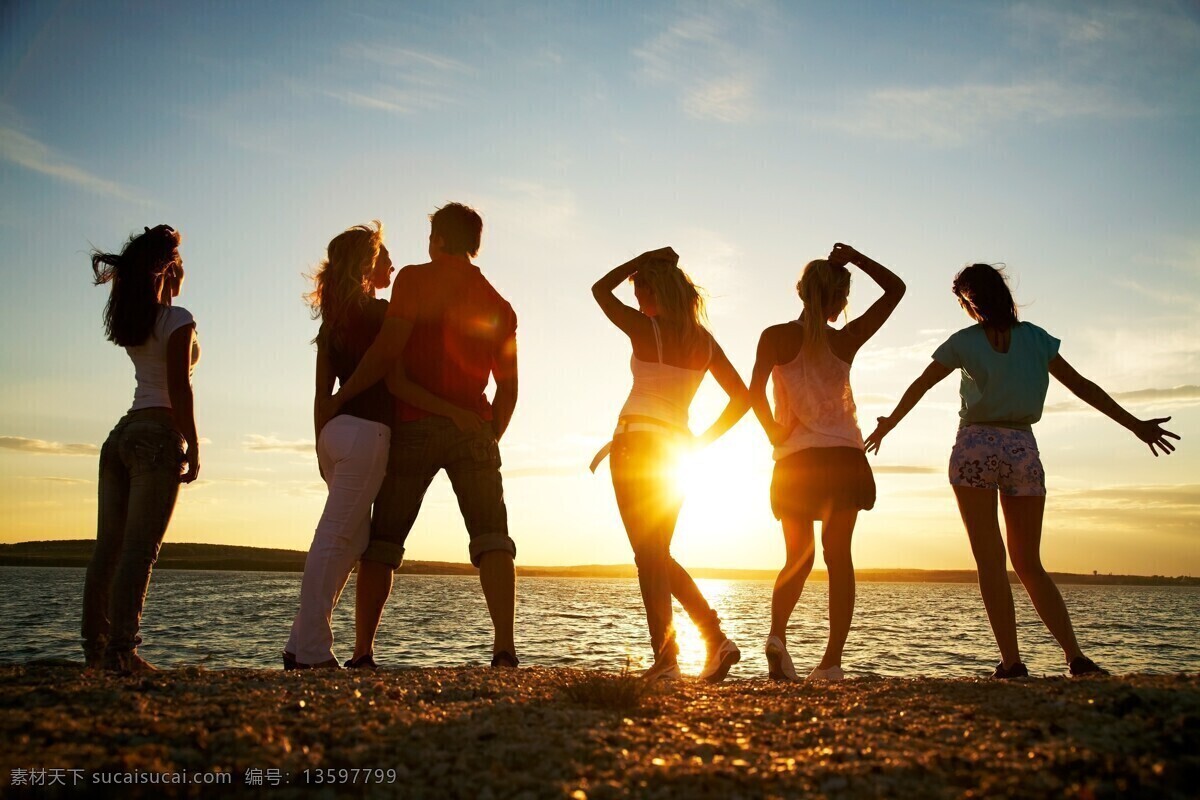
[635,424]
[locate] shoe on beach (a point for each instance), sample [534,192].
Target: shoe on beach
[833,673]
[505,660]
[720,659]
[663,671]
[1017,670]
[1082,665]
[290,663]
[128,663]
[362,662]
[779,663]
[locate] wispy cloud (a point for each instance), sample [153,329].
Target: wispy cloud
[42,447]
[905,469]
[257,443]
[1158,508]
[948,116]
[404,81]
[25,151]
[700,56]
[1174,397]
[56,479]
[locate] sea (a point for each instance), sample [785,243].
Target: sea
[241,619]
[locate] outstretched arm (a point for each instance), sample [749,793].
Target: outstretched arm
[765,361]
[932,375]
[739,397]
[1149,431]
[862,328]
[627,318]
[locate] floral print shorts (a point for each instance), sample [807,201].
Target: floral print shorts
[987,457]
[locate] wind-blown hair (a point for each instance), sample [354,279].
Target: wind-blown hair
[678,301]
[342,282]
[460,227]
[983,291]
[823,288]
[136,275]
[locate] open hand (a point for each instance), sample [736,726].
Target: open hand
[467,421]
[1154,435]
[663,254]
[882,428]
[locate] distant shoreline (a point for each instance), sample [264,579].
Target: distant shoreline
[183,555]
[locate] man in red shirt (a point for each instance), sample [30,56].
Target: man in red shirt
[447,330]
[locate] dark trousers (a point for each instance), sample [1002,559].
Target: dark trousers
[138,484]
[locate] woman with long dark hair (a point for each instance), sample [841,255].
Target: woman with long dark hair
[672,352]
[1005,366]
[152,449]
[821,471]
[352,447]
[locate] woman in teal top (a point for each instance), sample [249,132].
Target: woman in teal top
[1005,366]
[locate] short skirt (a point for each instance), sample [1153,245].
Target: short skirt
[809,481]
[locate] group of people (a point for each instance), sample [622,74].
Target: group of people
[411,378]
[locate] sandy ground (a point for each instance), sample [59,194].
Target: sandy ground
[536,732]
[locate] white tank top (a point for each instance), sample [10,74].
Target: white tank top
[815,388]
[150,359]
[661,391]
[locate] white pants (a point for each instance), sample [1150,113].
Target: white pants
[353,454]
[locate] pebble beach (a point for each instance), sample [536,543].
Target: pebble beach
[538,732]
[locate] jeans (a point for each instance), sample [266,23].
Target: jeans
[138,483]
[353,454]
[420,449]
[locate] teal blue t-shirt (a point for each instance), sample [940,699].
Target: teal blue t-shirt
[1003,389]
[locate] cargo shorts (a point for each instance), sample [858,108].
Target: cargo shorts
[419,450]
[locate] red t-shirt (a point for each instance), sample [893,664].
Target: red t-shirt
[462,329]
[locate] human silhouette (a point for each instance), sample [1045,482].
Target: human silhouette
[1005,366]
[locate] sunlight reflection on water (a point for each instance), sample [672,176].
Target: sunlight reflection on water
[236,619]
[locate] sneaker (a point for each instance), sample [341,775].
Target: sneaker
[720,659]
[779,663]
[504,659]
[1003,673]
[833,673]
[1082,665]
[128,663]
[362,662]
[663,671]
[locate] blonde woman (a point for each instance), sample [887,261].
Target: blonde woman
[672,352]
[352,447]
[821,471]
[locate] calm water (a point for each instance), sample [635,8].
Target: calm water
[240,619]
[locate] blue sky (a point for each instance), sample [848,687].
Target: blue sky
[1058,138]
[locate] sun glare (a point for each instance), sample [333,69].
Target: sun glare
[721,484]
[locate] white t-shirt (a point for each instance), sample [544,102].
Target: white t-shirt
[150,359]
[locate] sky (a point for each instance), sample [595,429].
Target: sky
[1057,138]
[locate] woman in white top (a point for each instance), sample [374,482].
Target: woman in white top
[821,472]
[672,352]
[152,449]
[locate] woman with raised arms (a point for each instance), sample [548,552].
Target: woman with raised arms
[352,447]
[1005,368]
[672,352]
[821,471]
[152,449]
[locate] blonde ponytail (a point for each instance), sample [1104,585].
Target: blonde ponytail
[822,288]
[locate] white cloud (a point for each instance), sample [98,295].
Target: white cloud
[24,151]
[42,447]
[699,56]
[256,443]
[948,116]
